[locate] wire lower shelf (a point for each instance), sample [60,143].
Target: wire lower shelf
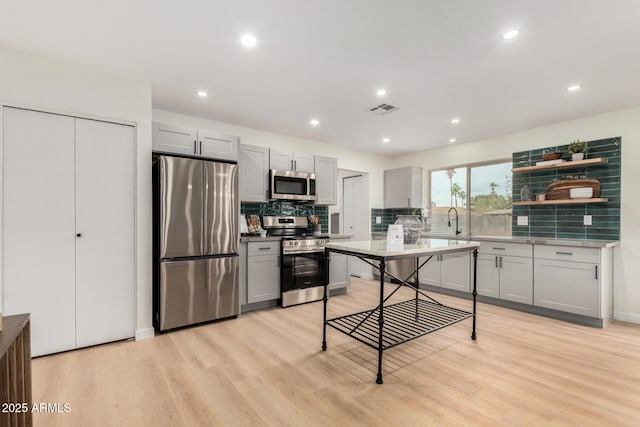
[403,321]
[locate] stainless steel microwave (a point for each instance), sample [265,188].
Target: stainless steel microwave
[292,185]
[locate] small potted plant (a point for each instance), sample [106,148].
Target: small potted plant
[577,149]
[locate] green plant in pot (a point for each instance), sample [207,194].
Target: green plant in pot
[577,149]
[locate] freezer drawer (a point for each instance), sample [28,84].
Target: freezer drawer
[197,291]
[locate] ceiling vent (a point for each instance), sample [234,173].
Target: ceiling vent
[382,109]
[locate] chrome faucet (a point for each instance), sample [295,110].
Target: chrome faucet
[449,218]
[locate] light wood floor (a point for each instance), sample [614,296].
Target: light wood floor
[266,368]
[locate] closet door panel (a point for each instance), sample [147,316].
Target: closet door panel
[105,222]
[38,230]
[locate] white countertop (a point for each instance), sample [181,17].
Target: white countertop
[423,247]
[516,239]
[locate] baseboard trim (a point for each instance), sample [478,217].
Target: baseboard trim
[626,317]
[144,334]
[366,276]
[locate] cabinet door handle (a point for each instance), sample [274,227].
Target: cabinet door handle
[200,147]
[500,262]
[195,147]
[596,272]
[499,249]
[295,165]
[291,164]
[564,253]
[278,261]
[496,262]
[409,201]
[263,249]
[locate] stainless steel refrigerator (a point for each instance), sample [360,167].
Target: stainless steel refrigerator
[196,267]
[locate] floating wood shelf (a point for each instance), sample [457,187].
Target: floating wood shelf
[561,202]
[574,164]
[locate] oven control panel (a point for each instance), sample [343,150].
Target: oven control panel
[303,245]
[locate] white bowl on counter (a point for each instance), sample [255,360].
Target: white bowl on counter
[581,193]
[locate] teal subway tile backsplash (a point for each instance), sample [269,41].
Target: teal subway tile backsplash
[285,208]
[566,221]
[389,216]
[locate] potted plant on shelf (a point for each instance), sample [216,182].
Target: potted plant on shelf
[577,149]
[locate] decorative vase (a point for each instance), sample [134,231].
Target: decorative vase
[525,193]
[411,226]
[577,156]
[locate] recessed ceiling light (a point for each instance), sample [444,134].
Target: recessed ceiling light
[248,40]
[452,140]
[202,94]
[573,88]
[455,121]
[386,140]
[314,122]
[511,34]
[381,92]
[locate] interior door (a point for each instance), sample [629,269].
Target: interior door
[105,229]
[38,230]
[352,206]
[181,207]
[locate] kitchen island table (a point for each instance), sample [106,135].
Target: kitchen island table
[384,327]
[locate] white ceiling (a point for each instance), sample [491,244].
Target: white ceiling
[438,59]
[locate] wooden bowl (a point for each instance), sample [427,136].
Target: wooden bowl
[551,156]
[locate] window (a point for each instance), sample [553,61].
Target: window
[485,209]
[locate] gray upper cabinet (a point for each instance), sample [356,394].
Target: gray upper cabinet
[254,173]
[283,160]
[326,180]
[339,271]
[194,142]
[403,187]
[174,139]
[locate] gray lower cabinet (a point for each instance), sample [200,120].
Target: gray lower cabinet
[451,271]
[505,271]
[516,281]
[242,276]
[253,167]
[339,271]
[263,271]
[569,286]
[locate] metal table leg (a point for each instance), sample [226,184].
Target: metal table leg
[475,291]
[383,270]
[324,300]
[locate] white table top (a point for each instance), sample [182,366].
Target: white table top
[423,247]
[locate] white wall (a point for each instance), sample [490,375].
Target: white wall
[373,164]
[50,85]
[624,123]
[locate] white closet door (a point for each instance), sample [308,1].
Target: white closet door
[105,221]
[38,230]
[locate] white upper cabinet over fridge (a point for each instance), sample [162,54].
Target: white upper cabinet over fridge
[287,161]
[403,187]
[194,142]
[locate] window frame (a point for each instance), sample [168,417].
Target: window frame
[468,167]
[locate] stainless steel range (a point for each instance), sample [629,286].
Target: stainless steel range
[302,267]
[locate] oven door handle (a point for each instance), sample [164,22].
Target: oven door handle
[302,251]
